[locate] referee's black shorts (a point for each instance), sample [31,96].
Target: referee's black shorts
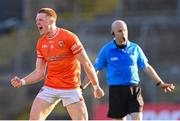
[124,100]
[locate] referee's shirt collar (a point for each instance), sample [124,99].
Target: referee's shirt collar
[121,47]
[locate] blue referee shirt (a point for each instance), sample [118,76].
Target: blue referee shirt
[121,64]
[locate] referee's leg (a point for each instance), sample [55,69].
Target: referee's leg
[136,116]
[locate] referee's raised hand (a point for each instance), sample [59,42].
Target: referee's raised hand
[167,87]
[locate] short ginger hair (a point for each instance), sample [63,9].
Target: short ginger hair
[50,12]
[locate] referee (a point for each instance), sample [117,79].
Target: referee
[122,58]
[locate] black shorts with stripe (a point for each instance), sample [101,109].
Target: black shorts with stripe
[124,100]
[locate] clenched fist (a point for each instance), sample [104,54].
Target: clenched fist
[98,92]
[16,82]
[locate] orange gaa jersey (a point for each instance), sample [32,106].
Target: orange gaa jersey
[60,54]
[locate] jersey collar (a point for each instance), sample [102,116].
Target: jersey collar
[116,46]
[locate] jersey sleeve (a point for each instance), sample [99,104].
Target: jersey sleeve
[142,59]
[100,61]
[74,44]
[38,50]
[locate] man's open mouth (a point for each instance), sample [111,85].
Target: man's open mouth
[40,28]
[124,38]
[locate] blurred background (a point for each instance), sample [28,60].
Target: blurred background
[154,25]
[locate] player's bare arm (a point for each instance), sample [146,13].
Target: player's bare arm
[91,73]
[33,77]
[159,82]
[86,82]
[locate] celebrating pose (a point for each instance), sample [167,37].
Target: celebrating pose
[61,52]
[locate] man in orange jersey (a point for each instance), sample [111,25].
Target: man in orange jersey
[62,52]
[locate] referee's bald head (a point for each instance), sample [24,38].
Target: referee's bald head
[118,23]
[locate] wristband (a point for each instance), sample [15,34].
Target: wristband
[95,87]
[159,83]
[23,81]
